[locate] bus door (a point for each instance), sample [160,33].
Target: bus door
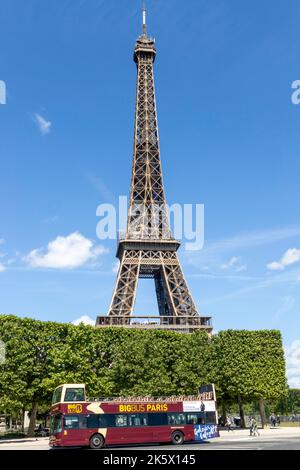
[72,430]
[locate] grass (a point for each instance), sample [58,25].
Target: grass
[289,424]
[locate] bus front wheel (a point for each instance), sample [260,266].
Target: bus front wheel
[177,438]
[96,441]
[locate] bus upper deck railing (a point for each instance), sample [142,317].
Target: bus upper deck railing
[148,398]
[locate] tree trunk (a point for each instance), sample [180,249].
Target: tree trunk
[22,419]
[223,412]
[30,432]
[242,414]
[262,412]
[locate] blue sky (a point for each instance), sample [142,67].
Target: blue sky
[229,136]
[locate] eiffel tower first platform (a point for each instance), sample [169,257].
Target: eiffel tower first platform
[148,249]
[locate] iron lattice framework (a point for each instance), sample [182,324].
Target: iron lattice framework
[148,249]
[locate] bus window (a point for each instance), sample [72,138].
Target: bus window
[74,394]
[157,419]
[82,421]
[200,418]
[57,395]
[121,421]
[138,420]
[176,418]
[191,418]
[210,417]
[100,421]
[92,421]
[71,422]
[56,424]
[106,421]
[75,422]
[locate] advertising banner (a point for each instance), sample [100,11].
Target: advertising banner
[205,431]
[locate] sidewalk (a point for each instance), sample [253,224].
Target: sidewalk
[266,433]
[24,440]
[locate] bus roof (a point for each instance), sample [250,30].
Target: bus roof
[70,385]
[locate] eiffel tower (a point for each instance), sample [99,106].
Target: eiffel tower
[148,249]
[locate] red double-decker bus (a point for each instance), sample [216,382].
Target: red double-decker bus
[101,422]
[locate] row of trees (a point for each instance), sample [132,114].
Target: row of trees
[244,365]
[286,405]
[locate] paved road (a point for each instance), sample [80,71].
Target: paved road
[269,439]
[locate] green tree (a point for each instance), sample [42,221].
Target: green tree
[28,363]
[249,365]
[289,404]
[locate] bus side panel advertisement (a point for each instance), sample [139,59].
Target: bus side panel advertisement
[199,406]
[205,431]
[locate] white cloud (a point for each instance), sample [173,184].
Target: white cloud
[2,268]
[213,251]
[234,263]
[85,319]
[291,256]
[2,241]
[275,266]
[67,252]
[292,355]
[43,125]
[115,267]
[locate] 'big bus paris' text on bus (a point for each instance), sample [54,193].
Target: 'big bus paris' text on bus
[76,421]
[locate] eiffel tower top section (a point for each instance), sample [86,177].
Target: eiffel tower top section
[144,44]
[147,214]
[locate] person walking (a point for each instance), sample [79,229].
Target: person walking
[228,424]
[278,420]
[253,427]
[273,420]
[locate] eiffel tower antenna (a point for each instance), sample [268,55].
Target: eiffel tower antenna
[144,13]
[148,249]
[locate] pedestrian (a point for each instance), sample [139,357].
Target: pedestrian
[273,420]
[253,427]
[278,420]
[228,424]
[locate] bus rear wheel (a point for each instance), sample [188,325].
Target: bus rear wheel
[177,438]
[96,441]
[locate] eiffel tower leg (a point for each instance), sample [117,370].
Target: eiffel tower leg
[177,291]
[123,298]
[163,300]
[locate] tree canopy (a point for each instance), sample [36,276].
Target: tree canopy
[119,361]
[250,364]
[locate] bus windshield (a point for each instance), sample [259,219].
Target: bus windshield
[74,394]
[56,423]
[57,395]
